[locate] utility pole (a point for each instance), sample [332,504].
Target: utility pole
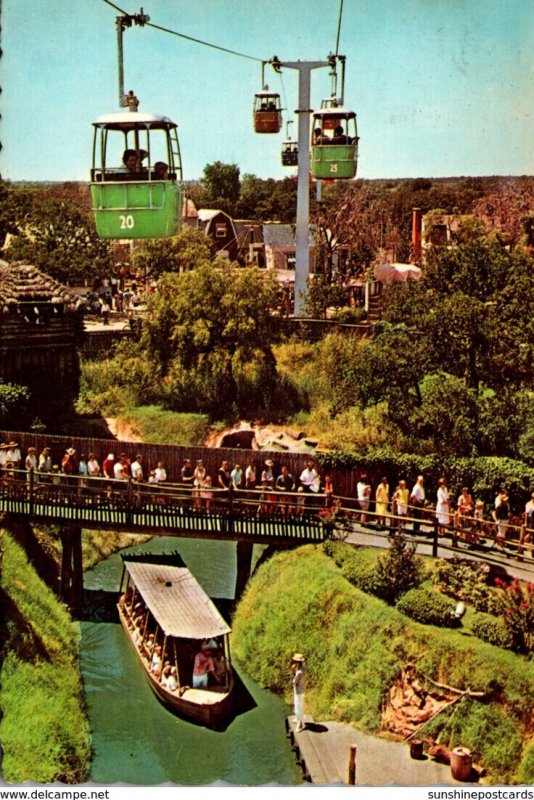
[123,22]
[302,261]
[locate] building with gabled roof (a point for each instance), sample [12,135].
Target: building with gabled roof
[219,226]
[41,326]
[280,246]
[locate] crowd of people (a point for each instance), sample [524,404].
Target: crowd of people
[281,492]
[119,293]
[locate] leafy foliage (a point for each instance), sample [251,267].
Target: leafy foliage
[55,233]
[516,605]
[491,629]
[222,186]
[427,607]
[209,336]
[44,733]
[399,570]
[188,249]
[466,580]
[13,400]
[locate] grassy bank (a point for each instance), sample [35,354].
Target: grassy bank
[356,645]
[157,425]
[96,545]
[44,733]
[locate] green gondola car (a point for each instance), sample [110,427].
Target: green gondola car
[136,177]
[334,152]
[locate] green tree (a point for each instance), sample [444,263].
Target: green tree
[209,335]
[472,307]
[189,249]
[60,238]
[222,186]
[13,404]
[447,416]
[267,199]
[365,372]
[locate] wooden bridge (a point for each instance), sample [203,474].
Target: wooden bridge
[73,503]
[248,517]
[164,509]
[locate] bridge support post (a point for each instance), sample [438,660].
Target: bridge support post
[244,563]
[71,579]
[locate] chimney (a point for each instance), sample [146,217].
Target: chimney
[417,220]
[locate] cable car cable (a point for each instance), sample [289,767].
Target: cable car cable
[189,38]
[206,44]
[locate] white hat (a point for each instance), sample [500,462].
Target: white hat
[111,457]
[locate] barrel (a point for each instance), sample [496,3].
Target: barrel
[416,748]
[461,763]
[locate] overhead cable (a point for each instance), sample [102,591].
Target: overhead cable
[184,36]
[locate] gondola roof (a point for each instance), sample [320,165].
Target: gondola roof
[128,120]
[335,111]
[178,603]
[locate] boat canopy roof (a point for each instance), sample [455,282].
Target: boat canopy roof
[129,120]
[178,603]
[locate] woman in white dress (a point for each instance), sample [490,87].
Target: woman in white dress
[443,507]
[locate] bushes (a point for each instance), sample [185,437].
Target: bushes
[484,474]
[386,576]
[466,580]
[430,608]
[398,571]
[356,565]
[516,604]
[491,629]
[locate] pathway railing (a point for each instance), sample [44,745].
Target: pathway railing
[251,515]
[260,515]
[476,533]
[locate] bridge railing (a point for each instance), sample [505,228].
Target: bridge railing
[475,532]
[303,514]
[81,499]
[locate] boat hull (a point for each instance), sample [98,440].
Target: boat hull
[209,708]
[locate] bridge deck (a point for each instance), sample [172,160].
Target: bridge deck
[166,510]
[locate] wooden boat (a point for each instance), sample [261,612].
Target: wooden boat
[163,606]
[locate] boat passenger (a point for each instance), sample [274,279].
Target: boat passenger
[165,672]
[126,598]
[202,667]
[172,680]
[219,662]
[155,664]
[149,645]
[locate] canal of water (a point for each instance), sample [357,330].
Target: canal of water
[135,739]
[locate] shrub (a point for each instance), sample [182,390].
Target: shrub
[516,604]
[349,316]
[466,580]
[430,608]
[358,565]
[525,772]
[398,571]
[491,629]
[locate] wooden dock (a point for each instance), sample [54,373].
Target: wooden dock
[323,750]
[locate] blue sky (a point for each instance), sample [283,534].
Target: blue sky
[441,87]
